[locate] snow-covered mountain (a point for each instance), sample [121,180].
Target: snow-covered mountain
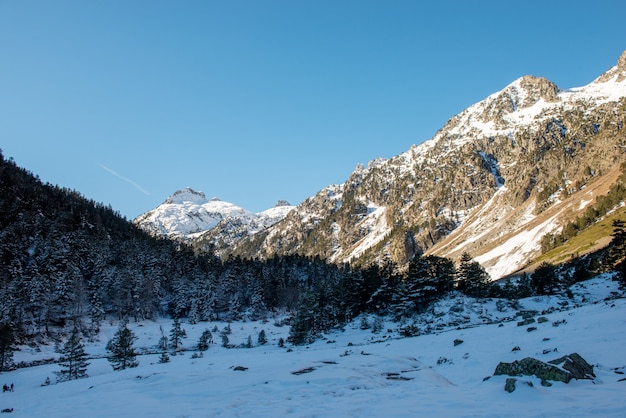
[187,215]
[492,182]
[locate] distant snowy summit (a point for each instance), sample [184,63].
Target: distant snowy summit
[188,213]
[187,195]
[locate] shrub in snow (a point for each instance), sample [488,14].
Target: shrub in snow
[364,323]
[410,330]
[164,358]
[377,325]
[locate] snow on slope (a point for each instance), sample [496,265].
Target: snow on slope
[356,373]
[526,110]
[376,226]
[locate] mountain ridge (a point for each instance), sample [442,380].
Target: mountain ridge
[187,214]
[512,154]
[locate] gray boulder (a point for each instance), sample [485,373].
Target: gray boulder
[563,369]
[533,367]
[576,365]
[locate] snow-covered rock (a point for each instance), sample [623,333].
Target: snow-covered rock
[188,214]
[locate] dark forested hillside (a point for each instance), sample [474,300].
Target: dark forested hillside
[67,262]
[65,258]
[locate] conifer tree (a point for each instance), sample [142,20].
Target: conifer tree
[473,279]
[225,340]
[262,339]
[73,359]
[205,340]
[544,280]
[123,353]
[6,347]
[177,334]
[303,328]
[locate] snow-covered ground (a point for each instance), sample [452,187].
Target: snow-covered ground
[355,372]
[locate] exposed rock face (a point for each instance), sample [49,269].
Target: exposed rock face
[533,367]
[621,62]
[186,195]
[619,71]
[509,386]
[282,203]
[574,367]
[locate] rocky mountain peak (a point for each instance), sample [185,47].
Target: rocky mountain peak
[618,71]
[282,203]
[186,195]
[621,62]
[538,88]
[523,93]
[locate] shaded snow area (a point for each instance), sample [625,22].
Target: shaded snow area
[492,165]
[354,372]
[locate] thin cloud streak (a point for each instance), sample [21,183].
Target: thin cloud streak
[126,179]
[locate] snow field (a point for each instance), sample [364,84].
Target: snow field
[354,372]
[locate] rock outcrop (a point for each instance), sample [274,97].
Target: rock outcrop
[563,369]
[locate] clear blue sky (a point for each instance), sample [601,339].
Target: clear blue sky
[255,101]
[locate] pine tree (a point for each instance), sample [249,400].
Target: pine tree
[473,279]
[544,280]
[123,353]
[225,340]
[523,288]
[177,334]
[205,340]
[73,359]
[303,330]
[262,339]
[6,347]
